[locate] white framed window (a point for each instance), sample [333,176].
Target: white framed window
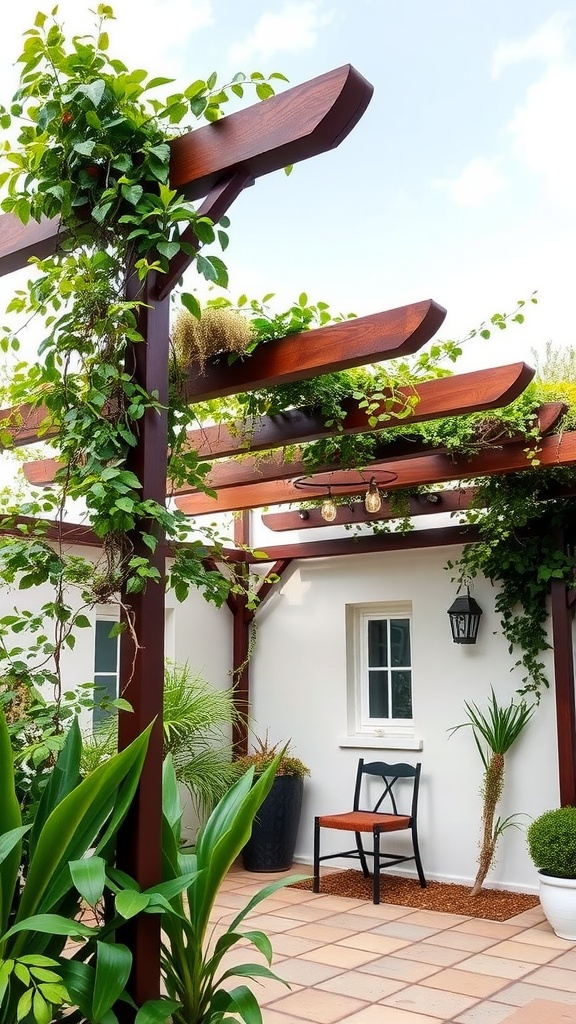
[379,671]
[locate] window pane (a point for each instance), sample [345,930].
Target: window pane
[378,695]
[107,687]
[377,643]
[106,650]
[401,694]
[400,642]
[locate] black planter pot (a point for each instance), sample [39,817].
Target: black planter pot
[273,841]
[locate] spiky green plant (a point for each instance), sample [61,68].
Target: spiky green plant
[197,722]
[495,730]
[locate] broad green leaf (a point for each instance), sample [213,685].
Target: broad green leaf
[129,903]
[113,965]
[77,821]
[64,777]
[156,1011]
[51,924]
[89,877]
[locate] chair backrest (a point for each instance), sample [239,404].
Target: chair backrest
[389,774]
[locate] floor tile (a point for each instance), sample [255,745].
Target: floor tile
[538,937]
[301,971]
[485,1012]
[555,977]
[321,932]
[544,1010]
[400,930]
[369,987]
[522,993]
[526,951]
[434,919]
[292,945]
[381,1014]
[435,1002]
[467,982]
[380,944]
[461,940]
[317,1007]
[274,922]
[382,911]
[496,966]
[403,970]
[307,912]
[352,920]
[494,929]
[341,956]
[442,956]
[567,960]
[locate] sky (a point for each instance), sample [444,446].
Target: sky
[458,184]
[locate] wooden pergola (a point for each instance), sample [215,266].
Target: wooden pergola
[215,163]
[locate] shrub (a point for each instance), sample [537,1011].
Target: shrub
[552,842]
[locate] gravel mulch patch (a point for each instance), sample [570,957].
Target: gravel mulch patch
[491,904]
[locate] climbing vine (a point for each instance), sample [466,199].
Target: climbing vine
[92,150]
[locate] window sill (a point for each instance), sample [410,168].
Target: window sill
[365,742]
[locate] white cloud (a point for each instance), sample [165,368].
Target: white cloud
[544,134]
[476,184]
[291,29]
[547,43]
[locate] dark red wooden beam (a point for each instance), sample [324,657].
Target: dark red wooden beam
[558,450]
[299,123]
[356,514]
[443,536]
[563,644]
[278,467]
[463,393]
[367,339]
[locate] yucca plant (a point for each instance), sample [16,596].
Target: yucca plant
[40,899]
[495,730]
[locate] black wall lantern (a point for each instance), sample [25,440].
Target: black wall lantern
[464,619]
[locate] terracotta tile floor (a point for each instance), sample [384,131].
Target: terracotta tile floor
[348,961]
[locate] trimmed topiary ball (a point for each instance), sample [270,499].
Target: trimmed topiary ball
[552,842]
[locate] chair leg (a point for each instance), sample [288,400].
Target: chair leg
[316,881]
[362,855]
[376,880]
[419,867]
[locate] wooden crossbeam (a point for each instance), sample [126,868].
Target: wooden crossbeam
[477,391]
[446,395]
[355,514]
[443,536]
[558,450]
[299,123]
[367,339]
[355,342]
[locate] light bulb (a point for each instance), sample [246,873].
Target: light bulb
[372,501]
[328,510]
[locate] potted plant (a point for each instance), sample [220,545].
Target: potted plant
[552,845]
[273,840]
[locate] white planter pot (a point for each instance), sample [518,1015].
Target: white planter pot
[558,899]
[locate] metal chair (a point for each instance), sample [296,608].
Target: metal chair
[374,821]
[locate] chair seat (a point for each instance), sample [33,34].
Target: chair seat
[365,821]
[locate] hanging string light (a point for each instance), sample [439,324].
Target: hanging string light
[329,508]
[372,501]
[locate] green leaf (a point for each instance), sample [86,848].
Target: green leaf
[156,1011]
[113,967]
[89,877]
[190,302]
[51,924]
[10,819]
[129,903]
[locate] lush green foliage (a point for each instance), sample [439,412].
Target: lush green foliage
[552,842]
[196,722]
[43,867]
[196,979]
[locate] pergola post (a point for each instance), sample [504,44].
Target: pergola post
[142,645]
[564,689]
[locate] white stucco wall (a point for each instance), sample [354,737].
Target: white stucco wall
[298,680]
